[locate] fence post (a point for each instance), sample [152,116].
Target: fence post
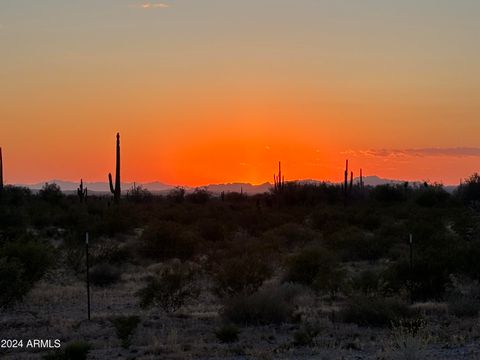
[88,275]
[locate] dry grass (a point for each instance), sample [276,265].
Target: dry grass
[56,308]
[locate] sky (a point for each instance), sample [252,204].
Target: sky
[214,91]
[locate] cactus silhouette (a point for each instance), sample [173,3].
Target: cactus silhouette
[82,192]
[116,191]
[345,181]
[279,180]
[1,170]
[351,182]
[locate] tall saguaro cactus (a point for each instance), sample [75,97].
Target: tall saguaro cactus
[351,182]
[345,180]
[1,170]
[82,192]
[279,180]
[116,191]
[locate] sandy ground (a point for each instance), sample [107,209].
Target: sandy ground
[56,309]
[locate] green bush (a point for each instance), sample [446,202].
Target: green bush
[104,275]
[227,333]
[125,327]
[198,196]
[167,240]
[177,195]
[463,297]
[290,235]
[51,193]
[170,289]
[374,311]
[77,350]
[35,257]
[431,195]
[12,283]
[108,251]
[369,283]
[211,230]
[389,193]
[317,268]
[306,336]
[469,191]
[268,306]
[240,275]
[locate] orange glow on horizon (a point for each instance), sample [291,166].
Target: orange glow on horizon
[201,95]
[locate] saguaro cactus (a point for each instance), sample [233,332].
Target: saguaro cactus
[345,180]
[1,170]
[82,192]
[116,191]
[351,181]
[279,180]
[361,179]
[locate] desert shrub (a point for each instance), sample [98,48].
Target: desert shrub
[35,257]
[329,219]
[12,283]
[463,297]
[75,258]
[428,279]
[104,275]
[389,193]
[240,275]
[290,234]
[170,289]
[306,335]
[51,193]
[198,196]
[12,217]
[354,244]
[15,195]
[317,268]
[469,191]
[227,333]
[374,311]
[108,251]
[234,197]
[268,306]
[125,327]
[368,282]
[77,350]
[431,195]
[408,341]
[167,240]
[177,195]
[138,194]
[211,230]
[117,220]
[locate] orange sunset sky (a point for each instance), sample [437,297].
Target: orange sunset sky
[213,91]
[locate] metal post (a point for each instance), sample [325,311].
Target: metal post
[411,268]
[88,275]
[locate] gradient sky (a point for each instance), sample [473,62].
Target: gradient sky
[208,91]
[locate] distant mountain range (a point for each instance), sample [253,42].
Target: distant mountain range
[159,188]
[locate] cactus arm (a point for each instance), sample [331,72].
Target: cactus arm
[111,183]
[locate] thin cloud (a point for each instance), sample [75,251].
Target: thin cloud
[420,152]
[149,5]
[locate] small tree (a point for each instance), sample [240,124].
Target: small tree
[170,289]
[51,193]
[469,191]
